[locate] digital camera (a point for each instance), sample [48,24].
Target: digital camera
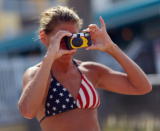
[79,40]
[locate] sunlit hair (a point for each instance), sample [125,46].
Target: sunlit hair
[52,17]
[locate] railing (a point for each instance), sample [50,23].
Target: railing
[11,73]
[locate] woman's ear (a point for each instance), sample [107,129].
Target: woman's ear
[44,38]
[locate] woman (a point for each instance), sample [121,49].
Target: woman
[59,91]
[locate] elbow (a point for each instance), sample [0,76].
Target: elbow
[25,111]
[146,90]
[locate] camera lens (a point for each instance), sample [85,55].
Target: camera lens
[77,42]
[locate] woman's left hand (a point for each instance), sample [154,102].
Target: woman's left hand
[100,38]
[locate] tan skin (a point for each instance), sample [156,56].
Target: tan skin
[58,61]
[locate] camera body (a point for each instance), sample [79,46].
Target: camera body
[79,40]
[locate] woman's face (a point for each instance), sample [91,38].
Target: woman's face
[72,28]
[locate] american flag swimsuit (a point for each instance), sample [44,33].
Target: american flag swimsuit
[60,100]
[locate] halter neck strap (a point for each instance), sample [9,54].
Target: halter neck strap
[76,64]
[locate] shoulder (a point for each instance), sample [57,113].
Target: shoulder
[32,70]
[30,73]
[94,71]
[95,67]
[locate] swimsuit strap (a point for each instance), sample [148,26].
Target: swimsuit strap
[76,64]
[71,99]
[42,119]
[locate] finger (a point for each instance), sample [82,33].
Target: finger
[92,47]
[61,34]
[73,51]
[63,51]
[103,25]
[86,30]
[93,26]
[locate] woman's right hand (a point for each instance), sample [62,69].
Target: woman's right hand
[54,45]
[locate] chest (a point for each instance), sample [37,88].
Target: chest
[67,93]
[71,81]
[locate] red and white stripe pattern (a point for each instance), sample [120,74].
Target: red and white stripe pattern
[87,96]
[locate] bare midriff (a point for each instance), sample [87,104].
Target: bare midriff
[74,120]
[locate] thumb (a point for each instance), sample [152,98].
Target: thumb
[64,52]
[92,47]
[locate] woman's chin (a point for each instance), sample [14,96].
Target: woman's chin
[68,55]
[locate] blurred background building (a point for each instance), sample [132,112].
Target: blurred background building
[132,24]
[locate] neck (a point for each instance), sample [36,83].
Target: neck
[62,65]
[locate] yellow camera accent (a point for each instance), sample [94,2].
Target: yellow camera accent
[84,43]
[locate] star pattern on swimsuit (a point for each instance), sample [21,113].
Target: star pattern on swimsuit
[59,99]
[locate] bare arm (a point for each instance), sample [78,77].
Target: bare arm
[35,81]
[34,87]
[133,81]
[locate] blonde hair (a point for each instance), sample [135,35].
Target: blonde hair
[57,15]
